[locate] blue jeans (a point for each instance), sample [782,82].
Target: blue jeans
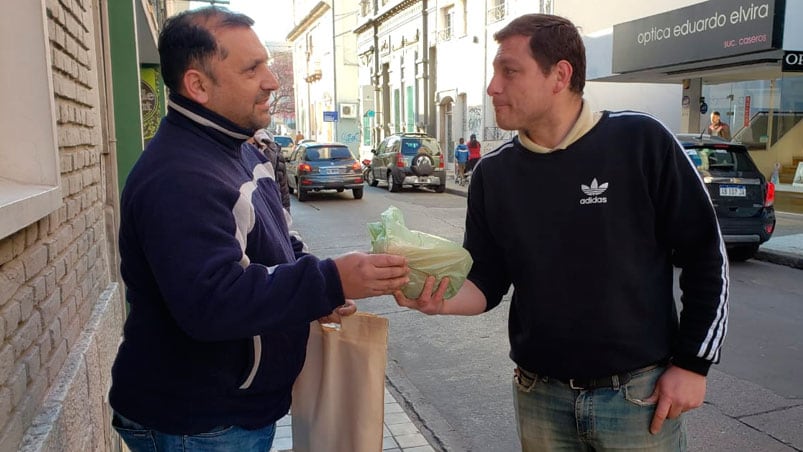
[552,416]
[222,439]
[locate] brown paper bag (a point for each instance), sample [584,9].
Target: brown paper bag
[339,398]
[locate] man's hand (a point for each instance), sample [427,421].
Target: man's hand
[349,308]
[677,391]
[428,302]
[368,275]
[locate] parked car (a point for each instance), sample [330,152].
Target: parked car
[286,143]
[742,196]
[323,166]
[413,159]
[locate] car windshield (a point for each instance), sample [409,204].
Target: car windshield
[412,146]
[726,162]
[283,141]
[328,153]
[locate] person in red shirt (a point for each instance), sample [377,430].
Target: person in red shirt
[473,152]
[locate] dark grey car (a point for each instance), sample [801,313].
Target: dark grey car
[742,196]
[413,159]
[323,166]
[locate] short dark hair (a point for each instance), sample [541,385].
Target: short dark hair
[186,41]
[552,38]
[715,113]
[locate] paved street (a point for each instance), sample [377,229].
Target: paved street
[452,375]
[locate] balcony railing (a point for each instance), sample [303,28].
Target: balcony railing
[445,35]
[497,13]
[497,134]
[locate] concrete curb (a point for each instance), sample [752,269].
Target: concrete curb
[780,258]
[458,192]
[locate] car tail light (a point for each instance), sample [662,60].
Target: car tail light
[356,166]
[770,199]
[304,168]
[441,163]
[400,160]
[769,228]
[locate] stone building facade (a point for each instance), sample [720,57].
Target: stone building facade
[61,307]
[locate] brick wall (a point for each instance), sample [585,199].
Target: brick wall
[60,310]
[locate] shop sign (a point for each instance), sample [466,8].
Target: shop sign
[746,122]
[792,61]
[329,116]
[708,30]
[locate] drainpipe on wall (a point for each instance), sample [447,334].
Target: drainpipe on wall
[484,76]
[425,66]
[334,72]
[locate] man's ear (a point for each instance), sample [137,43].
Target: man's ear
[563,71]
[196,85]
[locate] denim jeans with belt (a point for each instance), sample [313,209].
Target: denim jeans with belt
[552,416]
[222,439]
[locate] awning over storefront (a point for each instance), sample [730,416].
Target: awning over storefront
[721,39]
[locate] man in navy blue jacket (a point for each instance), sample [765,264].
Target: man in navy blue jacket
[221,295]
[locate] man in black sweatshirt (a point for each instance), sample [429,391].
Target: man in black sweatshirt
[585,214]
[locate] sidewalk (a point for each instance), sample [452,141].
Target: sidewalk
[399,434]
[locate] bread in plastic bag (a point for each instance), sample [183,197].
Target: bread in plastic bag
[426,254]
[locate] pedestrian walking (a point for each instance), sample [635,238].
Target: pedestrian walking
[273,151]
[474,152]
[221,295]
[588,240]
[461,158]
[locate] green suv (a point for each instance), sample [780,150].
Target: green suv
[412,159]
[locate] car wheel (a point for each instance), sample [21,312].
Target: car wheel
[370,178]
[393,186]
[303,195]
[440,188]
[742,253]
[357,192]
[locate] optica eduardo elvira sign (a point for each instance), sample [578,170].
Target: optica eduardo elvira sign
[709,30]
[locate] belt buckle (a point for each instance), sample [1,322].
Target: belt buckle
[573,386]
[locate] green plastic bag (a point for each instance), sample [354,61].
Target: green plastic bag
[426,254]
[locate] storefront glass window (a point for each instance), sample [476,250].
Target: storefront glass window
[765,115]
[745,107]
[790,112]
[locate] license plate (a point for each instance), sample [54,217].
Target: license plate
[330,170]
[732,190]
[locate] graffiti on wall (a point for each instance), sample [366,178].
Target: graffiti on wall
[474,122]
[150,102]
[348,133]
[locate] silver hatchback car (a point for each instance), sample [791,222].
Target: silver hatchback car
[315,166]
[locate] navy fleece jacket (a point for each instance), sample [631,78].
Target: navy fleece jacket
[221,296]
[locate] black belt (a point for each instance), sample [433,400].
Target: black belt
[613,381]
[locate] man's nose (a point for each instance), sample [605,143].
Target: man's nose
[270,82]
[492,88]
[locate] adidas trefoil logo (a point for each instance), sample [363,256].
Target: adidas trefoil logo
[593,191]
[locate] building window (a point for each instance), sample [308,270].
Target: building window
[29,173]
[365,8]
[447,23]
[546,6]
[497,12]
[410,109]
[397,111]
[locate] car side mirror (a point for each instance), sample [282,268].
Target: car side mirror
[373,151]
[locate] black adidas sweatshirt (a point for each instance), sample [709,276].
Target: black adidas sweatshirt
[587,236]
